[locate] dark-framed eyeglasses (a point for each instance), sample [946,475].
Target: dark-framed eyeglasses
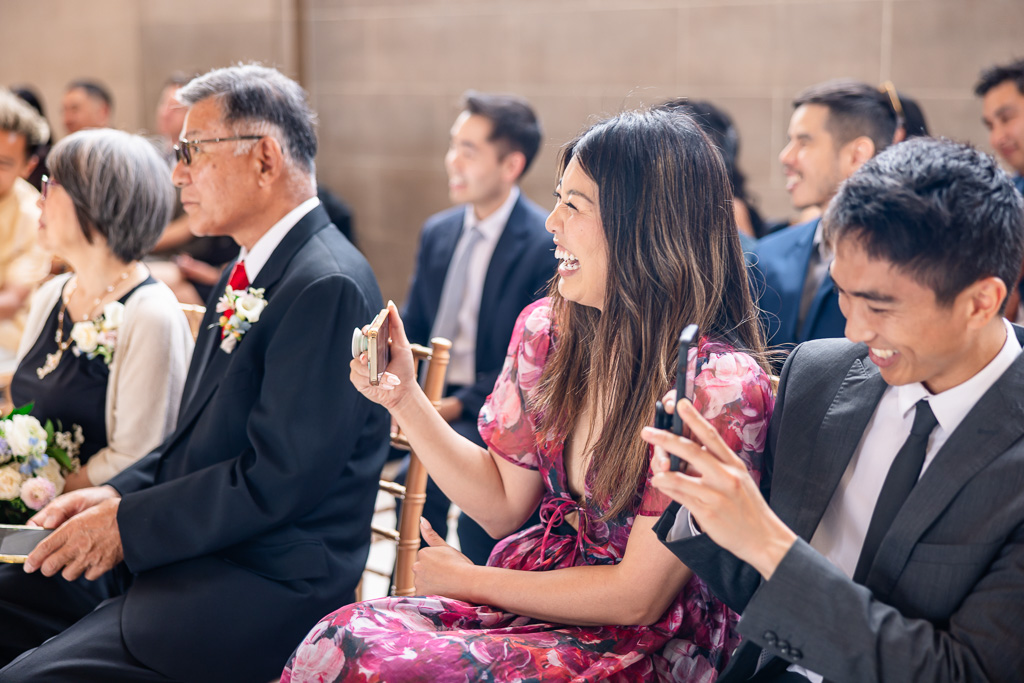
[183,150]
[46,184]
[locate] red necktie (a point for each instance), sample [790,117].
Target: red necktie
[238,280]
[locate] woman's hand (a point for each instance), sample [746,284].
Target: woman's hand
[439,569]
[77,480]
[400,378]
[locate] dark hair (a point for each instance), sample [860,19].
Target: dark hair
[941,211]
[513,120]
[999,74]
[119,185]
[93,89]
[718,126]
[28,94]
[913,118]
[674,258]
[855,109]
[257,95]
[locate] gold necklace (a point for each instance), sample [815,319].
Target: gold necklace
[53,359]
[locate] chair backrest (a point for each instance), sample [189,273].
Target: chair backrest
[194,314]
[414,493]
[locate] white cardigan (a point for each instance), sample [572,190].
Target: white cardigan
[147,372]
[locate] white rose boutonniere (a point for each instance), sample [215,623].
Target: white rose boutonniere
[238,311]
[113,316]
[249,306]
[85,336]
[99,337]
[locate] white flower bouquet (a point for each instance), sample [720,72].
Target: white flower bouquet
[34,458]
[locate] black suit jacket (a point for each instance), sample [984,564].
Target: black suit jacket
[943,598]
[252,520]
[518,274]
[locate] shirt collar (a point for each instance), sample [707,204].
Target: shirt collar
[491,226]
[951,406]
[258,256]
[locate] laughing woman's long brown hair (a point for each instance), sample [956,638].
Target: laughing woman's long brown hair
[674,258]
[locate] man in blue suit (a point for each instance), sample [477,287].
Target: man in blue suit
[479,264]
[836,126]
[212,556]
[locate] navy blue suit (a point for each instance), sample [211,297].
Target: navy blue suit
[518,274]
[778,277]
[252,520]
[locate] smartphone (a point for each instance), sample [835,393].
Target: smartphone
[687,339]
[16,542]
[378,349]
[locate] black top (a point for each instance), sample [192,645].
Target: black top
[75,393]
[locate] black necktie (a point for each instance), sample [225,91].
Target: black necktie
[903,475]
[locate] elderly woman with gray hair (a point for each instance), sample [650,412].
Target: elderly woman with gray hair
[107,347]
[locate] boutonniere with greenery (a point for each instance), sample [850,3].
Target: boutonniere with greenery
[238,311]
[99,337]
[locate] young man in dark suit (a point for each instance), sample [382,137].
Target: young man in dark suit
[210,558]
[479,264]
[893,547]
[836,126]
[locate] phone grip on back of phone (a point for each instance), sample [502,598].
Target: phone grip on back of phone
[662,420]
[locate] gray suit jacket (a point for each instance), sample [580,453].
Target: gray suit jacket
[944,599]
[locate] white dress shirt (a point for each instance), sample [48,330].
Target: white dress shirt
[462,366]
[257,257]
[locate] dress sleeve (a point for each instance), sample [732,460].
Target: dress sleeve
[507,420]
[734,394]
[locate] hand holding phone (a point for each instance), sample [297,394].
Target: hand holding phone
[377,345]
[673,423]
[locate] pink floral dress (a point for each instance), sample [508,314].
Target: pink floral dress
[439,639]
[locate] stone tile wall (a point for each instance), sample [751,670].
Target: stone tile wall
[386,75]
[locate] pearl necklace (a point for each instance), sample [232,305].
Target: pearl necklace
[53,359]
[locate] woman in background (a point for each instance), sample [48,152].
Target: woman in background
[105,347]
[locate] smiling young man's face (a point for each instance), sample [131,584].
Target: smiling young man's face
[1003,116]
[911,336]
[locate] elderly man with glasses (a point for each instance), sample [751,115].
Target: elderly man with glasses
[209,559]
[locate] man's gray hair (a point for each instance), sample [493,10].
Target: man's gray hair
[255,96]
[17,116]
[120,186]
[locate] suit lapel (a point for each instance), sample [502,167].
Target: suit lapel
[799,258]
[208,339]
[505,257]
[813,480]
[994,424]
[213,362]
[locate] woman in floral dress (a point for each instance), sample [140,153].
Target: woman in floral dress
[643,231]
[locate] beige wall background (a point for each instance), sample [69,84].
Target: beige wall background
[386,75]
